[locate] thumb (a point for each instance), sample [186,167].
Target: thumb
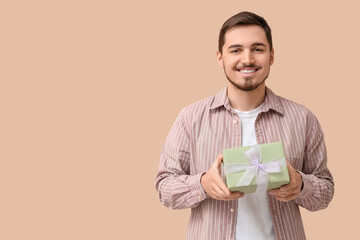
[290,168]
[218,161]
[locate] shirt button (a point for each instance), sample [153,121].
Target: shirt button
[232,209]
[187,205]
[199,197]
[235,121]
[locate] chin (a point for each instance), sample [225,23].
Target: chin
[246,87]
[249,85]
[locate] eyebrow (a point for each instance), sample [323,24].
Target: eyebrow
[255,44]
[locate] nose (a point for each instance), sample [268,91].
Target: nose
[247,58]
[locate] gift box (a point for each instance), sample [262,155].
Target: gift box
[255,168]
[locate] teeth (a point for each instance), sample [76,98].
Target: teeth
[247,71]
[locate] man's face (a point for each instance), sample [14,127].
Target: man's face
[246,57]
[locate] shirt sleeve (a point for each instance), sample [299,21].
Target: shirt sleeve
[176,187]
[318,183]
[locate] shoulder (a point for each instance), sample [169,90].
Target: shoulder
[297,112]
[197,109]
[294,108]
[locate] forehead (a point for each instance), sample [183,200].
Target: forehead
[245,35]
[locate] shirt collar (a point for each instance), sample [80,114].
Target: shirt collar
[271,101]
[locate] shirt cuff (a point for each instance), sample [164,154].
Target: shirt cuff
[306,187]
[198,193]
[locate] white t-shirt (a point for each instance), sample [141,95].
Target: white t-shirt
[254,220]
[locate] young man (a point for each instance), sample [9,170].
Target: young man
[244,113]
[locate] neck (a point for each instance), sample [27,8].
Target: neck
[246,100]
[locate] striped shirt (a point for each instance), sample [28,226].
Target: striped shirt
[203,129]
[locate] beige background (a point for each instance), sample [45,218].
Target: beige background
[90,89]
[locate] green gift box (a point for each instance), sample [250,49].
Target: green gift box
[267,156]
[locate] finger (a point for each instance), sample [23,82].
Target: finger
[232,196]
[286,198]
[235,195]
[292,175]
[220,195]
[274,191]
[291,170]
[289,166]
[226,194]
[294,184]
[218,186]
[219,160]
[216,192]
[284,194]
[279,193]
[219,183]
[288,187]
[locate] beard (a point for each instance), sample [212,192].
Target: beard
[248,85]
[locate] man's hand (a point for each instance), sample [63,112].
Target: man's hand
[292,189]
[213,184]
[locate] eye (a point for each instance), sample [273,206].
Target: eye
[234,51]
[259,50]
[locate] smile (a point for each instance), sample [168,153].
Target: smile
[247,71]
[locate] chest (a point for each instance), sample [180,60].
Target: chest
[214,133]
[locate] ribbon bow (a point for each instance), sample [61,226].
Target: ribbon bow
[254,167]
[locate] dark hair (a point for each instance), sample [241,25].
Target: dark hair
[244,18]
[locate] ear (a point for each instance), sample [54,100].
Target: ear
[219,59]
[272,57]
